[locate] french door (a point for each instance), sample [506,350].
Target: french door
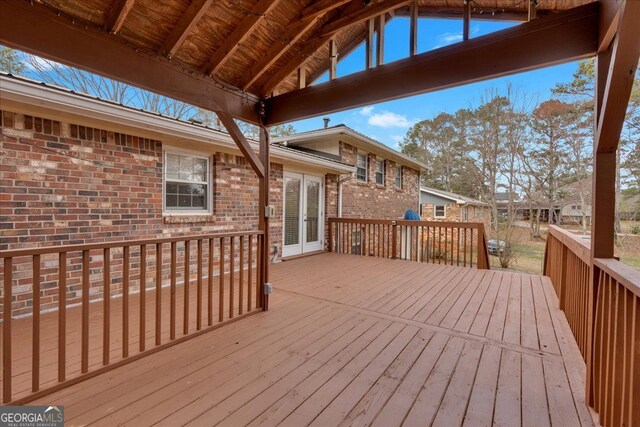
[303,213]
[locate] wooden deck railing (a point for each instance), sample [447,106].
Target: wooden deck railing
[137,283]
[604,315]
[452,243]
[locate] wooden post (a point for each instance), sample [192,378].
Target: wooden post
[380,21]
[466,20]
[369,43]
[531,10]
[615,72]
[263,219]
[330,238]
[333,55]
[302,77]
[413,31]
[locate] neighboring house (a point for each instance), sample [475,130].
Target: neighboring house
[630,207]
[76,169]
[439,205]
[573,212]
[575,202]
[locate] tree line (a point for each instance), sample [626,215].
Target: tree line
[537,154]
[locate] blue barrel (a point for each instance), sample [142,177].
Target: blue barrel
[411,215]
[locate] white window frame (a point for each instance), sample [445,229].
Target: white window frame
[209,174]
[435,211]
[383,173]
[399,174]
[366,167]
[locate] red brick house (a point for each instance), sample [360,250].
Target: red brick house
[76,169]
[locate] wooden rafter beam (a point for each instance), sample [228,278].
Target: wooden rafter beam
[303,23]
[380,22]
[348,18]
[452,12]
[620,77]
[60,40]
[117,14]
[333,59]
[532,9]
[413,29]
[185,25]
[242,143]
[566,36]
[241,32]
[371,30]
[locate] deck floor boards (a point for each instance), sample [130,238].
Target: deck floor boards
[353,341]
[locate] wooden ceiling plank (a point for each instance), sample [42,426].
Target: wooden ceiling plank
[185,25]
[624,61]
[324,35]
[241,32]
[117,14]
[563,37]
[303,23]
[241,141]
[75,45]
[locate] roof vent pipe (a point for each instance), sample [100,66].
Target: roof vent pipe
[326,122]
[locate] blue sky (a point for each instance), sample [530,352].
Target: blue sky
[388,122]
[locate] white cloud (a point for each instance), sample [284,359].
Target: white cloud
[387,119]
[366,111]
[445,39]
[397,139]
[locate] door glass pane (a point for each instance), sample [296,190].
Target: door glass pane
[313,210]
[291,211]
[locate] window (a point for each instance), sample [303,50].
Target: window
[439,211]
[362,165]
[398,176]
[380,172]
[465,214]
[186,182]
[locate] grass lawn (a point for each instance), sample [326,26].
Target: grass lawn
[529,253]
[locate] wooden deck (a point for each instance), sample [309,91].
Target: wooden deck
[360,341]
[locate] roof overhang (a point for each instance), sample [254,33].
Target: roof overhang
[23,96]
[354,138]
[457,200]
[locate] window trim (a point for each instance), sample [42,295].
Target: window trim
[366,167]
[383,173]
[401,176]
[435,211]
[209,174]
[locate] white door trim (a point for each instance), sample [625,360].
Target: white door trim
[303,247]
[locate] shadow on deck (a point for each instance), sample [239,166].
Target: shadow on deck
[360,341]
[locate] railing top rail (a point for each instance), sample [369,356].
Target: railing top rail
[624,274]
[451,224]
[12,253]
[575,243]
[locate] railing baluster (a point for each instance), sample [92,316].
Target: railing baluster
[125,300]
[210,284]
[464,250]
[35,356]
[221,290]
[231,268]
[199,288]
[186,280]
[241,277]
[7,377]
[158,293]
[84,364]
[172,302]
[106,304]
[62,315]
[143,296]
[250,261]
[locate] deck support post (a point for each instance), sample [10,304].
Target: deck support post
[615,71]
[263,221]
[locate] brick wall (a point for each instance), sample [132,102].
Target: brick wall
[454,212]
[61,183]
[370,200]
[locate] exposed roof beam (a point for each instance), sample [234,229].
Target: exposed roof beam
[413,30]
[242,143]
[303,23]
[466,19]
[185,25]
[241,32]
[506,14]
[622,69]
[117,14]
[348,19]
[333,59]
[563,37]
[62,41]
[380,21]
[371,31]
